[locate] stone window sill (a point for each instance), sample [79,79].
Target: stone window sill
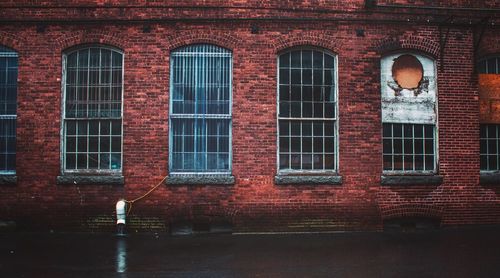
[199,179]
[8,179]
[306,180]
[90,180]
[411,180]
[489,178]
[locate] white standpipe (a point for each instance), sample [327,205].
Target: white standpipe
[120,216]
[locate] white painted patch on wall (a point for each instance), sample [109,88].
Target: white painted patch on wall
[408,105]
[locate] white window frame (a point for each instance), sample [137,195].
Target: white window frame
[11,53]
[436,124]
[172,116]
[63,114]
[335,170]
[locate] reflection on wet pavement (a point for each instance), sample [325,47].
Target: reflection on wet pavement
[440,253]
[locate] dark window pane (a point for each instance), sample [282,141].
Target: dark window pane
[408,162]
[295,161]
[284,60]
[284,144]
[284,93]
[387,146]
[284,128]
[408,146]
[284,76]
[295,59]
[484,162]
[296,77]
[295,144]
[419,162]
[398,162]
[483,146]
[387,130]
[307,144]
[388,162]
[397,130]
[306,76]
[429,162]
[70,161]
[306,161]
[329,161]
[307,94]
[306,59]
[318,162]
[398,146]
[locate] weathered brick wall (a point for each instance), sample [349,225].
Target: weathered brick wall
[254,202]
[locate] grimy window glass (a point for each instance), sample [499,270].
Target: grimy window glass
[409,103]
[306,111]
[93,110]
[408,147]
[200,109]
[8,105]
[489,148]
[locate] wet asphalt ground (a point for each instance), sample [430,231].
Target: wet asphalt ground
[471,252]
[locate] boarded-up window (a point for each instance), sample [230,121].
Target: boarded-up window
[408,93]
[489,112]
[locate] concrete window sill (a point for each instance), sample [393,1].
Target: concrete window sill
[90,180]
[8,179]
[187,179]
[489,178]
[411,180]
[306,180]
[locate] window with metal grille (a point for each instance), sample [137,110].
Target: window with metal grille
[8,107]
[409,147]
[489,147]
[200,109]
[92,113]
[489,65]
[307,111]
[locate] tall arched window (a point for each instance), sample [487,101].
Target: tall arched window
[200,109]
[8,107]
[92,114]
[409,116]
[307,118]
[489,117]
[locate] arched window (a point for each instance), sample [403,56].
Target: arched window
[92,112]
[200,109]
[307,117]
[8,107]
[489,118]
[408,93]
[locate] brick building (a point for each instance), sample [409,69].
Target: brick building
[266,115]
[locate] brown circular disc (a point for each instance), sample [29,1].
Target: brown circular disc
[407,71]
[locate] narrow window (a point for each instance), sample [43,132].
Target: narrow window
[489,117]
[200,109]
[92,114]
[307,111]
[408,84]
[8,106]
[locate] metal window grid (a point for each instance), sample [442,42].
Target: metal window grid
[489,147]
[8,107]
[92,110]
[409,148]
[489,65]
[307,123]
[200,110]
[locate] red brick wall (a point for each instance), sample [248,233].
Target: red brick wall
[254,203]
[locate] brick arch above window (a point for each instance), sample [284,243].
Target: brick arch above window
[415,43]
[307,39]
[12,41]
[219,39]
[65,42]
[411,210]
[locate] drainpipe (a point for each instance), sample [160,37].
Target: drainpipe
[120,217]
